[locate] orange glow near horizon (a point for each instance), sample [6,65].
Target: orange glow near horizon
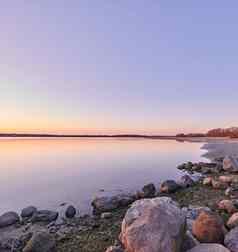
[93,130]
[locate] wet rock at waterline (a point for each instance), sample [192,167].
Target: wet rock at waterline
[44,216]
[8,219]
[148,191]
[169,186]
[28,211]
[108,203]
[70,212]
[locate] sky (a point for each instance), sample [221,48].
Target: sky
[117,66]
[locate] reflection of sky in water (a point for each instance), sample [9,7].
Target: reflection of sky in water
[47,172]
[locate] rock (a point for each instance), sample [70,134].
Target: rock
[189,241]
[207,181]
[228,191]
[28,211]
[169,186]
[149,190]
[181,166]
[188,165]
[232,192]
[208,228]
[192,212]
[207,170]
[209,248]
[218,185]
[115,249]
[196,168]
[233,221]
[8,219]
[230,164]
[44,216]
[106,215]
[225,179]
[40,242]
[109,203]
[70,212]
[185,181]
[153,225]
[228,206]
[231,241]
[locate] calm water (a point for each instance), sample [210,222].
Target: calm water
[48,172]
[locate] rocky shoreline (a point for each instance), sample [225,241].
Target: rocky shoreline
[184,215]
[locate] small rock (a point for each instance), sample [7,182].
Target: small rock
[114,249]
[8,219]
[181,166]
[231,241]
[188,165]
[228,206]
[207,170]
[185,181]
[40,242]
[228,191]
[218,185]
[230,164]
[106,215]
[109,203]
[28,211]
[209,248]
[70,212]
[149,190]
[169,186]
[233,221]
[44,216]
[208,228]
[225,179]
[207,181]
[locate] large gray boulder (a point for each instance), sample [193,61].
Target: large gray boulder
[8,219]
[231,240]
[40,242]
[212,247]
[153,225]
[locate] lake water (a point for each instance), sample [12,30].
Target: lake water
[48,172]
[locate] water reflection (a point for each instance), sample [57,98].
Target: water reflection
[47,172]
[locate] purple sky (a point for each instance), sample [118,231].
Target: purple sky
[118,66]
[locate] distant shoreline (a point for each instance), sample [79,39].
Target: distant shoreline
[159,137]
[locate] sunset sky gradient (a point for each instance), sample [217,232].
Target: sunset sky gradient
[156,67]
